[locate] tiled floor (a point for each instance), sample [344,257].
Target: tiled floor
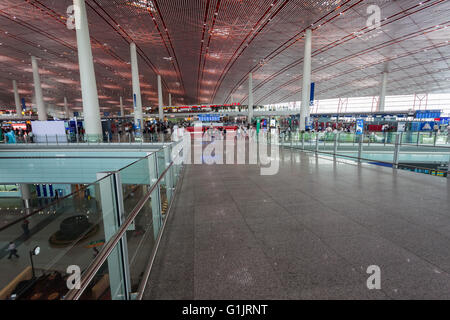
[309,232]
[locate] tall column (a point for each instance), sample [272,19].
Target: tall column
[306,86]
[17,98]
[382,99]
[122,114]
[160,100]
[250,97]
[26,195]
[91,107]
[136,87]
[41,110]
[66,108]
[170,99]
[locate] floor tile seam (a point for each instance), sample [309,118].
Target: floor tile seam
[258,242]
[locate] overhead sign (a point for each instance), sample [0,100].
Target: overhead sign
[208,117]
[203,106]
[428,114]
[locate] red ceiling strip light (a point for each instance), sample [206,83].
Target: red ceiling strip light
[109,51]
[205,18]
[255,30]
[62,20]
[340,85]
[363,52]
[371,76]
[400,80]
[128,39]
[288,43]
[177,68]
[339,42]
[216,12]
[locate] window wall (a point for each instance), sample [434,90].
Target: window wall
[369,104]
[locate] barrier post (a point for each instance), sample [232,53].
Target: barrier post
[396,151]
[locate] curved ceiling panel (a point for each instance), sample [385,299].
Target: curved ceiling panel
[205,49]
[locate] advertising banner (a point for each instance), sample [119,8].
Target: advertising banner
[308,123]
[49,131]
[24,107]
[311,99]
[426,126]
[415,126]
[359,126]
[401,127]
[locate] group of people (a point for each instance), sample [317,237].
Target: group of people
[12,136]
[334,129]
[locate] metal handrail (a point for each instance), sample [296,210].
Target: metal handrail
[143,283]
[364,159]
[91,271]
[82,188]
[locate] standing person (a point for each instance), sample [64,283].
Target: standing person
[436,128]
[448,133]
[12,250]
[10,136]
[26,228]
[31,136]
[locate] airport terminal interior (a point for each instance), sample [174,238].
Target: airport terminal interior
[224,149]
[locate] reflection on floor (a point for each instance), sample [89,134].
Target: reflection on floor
[309,232]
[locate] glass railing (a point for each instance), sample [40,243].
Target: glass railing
[73,138]
[96,243]
[419,152]
[137,239]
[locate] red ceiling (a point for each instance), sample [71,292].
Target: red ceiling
[204,49]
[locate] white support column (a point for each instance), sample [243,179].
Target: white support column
[306,86]
[91,107]
[250,97]
[66,108]
[122,114]
[160,100]
[17,99]
[136,87]
[41,110]
[170,99]
[382,99]
[26,195]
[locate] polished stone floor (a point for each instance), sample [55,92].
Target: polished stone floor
[308,232]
